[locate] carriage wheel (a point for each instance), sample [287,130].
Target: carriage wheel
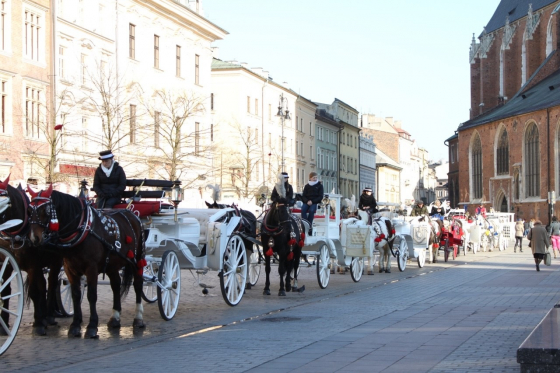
[234,272]
[254,267]
[402,253]
[64,294]
[357,268]
[10,275]
[422,258]
[323,266]
[149,289]
[169,289]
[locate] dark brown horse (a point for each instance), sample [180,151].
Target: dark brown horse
[30,259]
[282,234]
[91,242]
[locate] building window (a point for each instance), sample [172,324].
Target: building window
[177,61]
[32,111]
[61,62]
[197,138]
[3,104]
[476,167]
[156,51]
[211,101]
[32,35]
[132,121]
[248,104]
[212,132]
[131,41]
[3,24]
[532,162]
[157,115]
[269,112]
[257,136]
[196,69]
[503,154]
[83,69]
[256,106]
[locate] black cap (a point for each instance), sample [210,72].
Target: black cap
[105,154]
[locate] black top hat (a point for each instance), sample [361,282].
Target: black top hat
[105,154]
[367,189]
[285,174]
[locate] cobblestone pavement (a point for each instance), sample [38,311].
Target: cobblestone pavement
[467,315]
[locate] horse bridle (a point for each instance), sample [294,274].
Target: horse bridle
[18,235]
[280,228]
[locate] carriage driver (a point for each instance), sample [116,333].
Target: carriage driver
[419,209]
[288,189]
[109,181]
[367,201]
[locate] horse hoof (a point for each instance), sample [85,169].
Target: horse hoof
[113,323]
[281,293]
[138,323]
[381,270]
[91,333]
[301,289]
[248,286]
[387,271]
[74,331]
[39,330]
[288,288]
[266,292]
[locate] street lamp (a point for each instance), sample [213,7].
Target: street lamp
[284,114]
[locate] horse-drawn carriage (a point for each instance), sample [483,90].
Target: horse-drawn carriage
[414,236]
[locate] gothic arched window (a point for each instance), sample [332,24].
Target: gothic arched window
[476,167]
[532,162]
[502,154]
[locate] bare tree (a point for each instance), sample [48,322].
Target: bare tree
[183,150]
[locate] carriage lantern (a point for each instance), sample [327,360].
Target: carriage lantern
[84,191]
[176,195]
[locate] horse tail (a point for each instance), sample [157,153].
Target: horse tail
[128,275]
[131,268]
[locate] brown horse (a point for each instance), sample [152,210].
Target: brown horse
[30,259]
[91,242]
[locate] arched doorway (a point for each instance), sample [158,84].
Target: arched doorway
[503,204]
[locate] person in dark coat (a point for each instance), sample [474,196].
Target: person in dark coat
[288,190]
[367,201]
[437,209]
[540,242]
[109,181]
[419,209]
[311,196]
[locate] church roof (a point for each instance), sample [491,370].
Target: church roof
[514,9]
[543,95]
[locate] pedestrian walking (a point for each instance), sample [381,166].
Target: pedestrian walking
[555,235]
[540,242]
[519,234]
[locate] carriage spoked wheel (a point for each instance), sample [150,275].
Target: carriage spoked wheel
[254,267]
[323,266]
[63,293]
[356,268]
[402,253]
[11,305]
[169,288]
[149,289]
[234,272]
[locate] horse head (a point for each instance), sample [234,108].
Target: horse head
[43,217]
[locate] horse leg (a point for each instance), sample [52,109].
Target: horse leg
[115,281]
[381,260]
[37,291]
[388,255]
[91,330]
[266,290]
[75,287]
[52,288]
[282,272]
[139,311]
[433,252]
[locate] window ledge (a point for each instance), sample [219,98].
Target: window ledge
[501,177]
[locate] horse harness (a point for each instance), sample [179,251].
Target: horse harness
[19,234]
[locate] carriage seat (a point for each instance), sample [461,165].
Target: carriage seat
[541,349]
[142,208]
[145,208]
[298,211]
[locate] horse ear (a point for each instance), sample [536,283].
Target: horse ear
[4,184]
[48,192]
[207,204]
[31,192]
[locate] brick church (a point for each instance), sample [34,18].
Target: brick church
[506,156]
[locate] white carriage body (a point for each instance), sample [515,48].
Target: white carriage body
[415,232]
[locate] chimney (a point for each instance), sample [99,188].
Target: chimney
[397,124]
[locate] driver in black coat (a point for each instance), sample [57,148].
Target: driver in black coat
[289,191]
[109,181]
[367,201]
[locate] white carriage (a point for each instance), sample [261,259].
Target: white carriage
[412,240]
[199,240]
[346,241]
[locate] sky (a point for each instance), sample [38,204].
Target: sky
[406,59]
